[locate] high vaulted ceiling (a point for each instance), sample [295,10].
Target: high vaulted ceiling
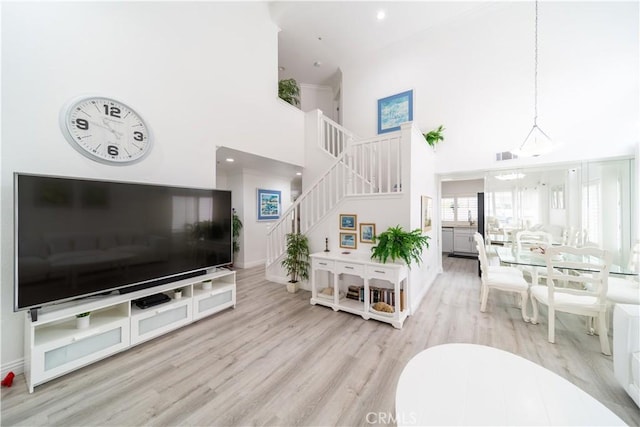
[330,34]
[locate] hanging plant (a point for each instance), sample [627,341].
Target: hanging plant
[434,136]
[397,244]
[289,91]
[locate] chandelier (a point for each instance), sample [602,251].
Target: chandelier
[537,141]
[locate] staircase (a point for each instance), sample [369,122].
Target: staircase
[362,167]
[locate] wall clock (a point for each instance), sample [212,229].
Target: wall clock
[105,130]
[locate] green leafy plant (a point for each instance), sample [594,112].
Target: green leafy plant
[236,227]
[296,261]
[289,91]
[397,244]
[434,136]
[83,314]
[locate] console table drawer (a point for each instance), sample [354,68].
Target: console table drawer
[323,264]
[376,272]
[348,268]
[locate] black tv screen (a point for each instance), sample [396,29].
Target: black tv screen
[77,237]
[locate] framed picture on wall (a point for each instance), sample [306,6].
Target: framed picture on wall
[427,213]
[367,232]
[348,240]
[269,204]
[394,110]
[348,221]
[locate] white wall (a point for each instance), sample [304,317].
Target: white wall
[317,97]
[244,185]
[475,76]
[201,75]
[463,187]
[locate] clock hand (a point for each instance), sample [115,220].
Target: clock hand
[113,131]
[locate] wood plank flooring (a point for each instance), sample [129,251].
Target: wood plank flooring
[277,360]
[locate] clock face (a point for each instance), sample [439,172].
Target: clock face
[105,130]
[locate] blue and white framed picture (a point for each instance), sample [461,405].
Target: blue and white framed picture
[395,110]
[269,204]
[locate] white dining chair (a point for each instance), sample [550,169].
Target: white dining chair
[500,278]
[528,240]
[482,249]
[584,294]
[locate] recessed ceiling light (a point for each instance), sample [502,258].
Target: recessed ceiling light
[299,173]
[229,159]
[281,68]
[381,15]
[317,64]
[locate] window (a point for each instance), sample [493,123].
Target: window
[591,211]
[459,208]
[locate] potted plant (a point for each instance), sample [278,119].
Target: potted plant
[177,293]
[289,91]
[83,320]
[236,227]
[397,244]
[296,260]
[434,136]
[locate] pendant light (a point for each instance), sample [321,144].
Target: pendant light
[537,141]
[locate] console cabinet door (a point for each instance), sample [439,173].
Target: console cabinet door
[154,321]
[206,303]
[57,357]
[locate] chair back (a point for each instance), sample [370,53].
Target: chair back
[578,271]
[526,239]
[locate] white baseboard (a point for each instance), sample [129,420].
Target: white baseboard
[250,264]
[284,280]
[17,367]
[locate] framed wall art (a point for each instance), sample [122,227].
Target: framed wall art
[427,213]
[367,232]
[348,240]
[269,204]
[394,110]
[348,221]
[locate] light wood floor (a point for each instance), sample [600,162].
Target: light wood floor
[277,360]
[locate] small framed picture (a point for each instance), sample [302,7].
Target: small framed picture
[395,110]
[367,232]
[348,221]
[427,213]
[348,240]
[269,204]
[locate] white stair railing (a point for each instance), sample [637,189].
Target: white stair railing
[368,167]
[334,138]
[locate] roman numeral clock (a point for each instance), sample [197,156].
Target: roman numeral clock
[105,130]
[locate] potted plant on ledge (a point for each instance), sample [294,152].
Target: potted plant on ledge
[396,244]
[296,261]
[289,91]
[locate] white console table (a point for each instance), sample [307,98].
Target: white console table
[469,384]
[53,345]
[339,271]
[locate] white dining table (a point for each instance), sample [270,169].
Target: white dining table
[469,384]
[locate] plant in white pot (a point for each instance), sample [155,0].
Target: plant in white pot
[83,320]
[296,260]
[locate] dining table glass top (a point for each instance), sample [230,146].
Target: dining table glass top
[513,256]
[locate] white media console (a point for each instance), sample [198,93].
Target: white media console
[55,346]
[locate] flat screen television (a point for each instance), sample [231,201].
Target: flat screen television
[77,237]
